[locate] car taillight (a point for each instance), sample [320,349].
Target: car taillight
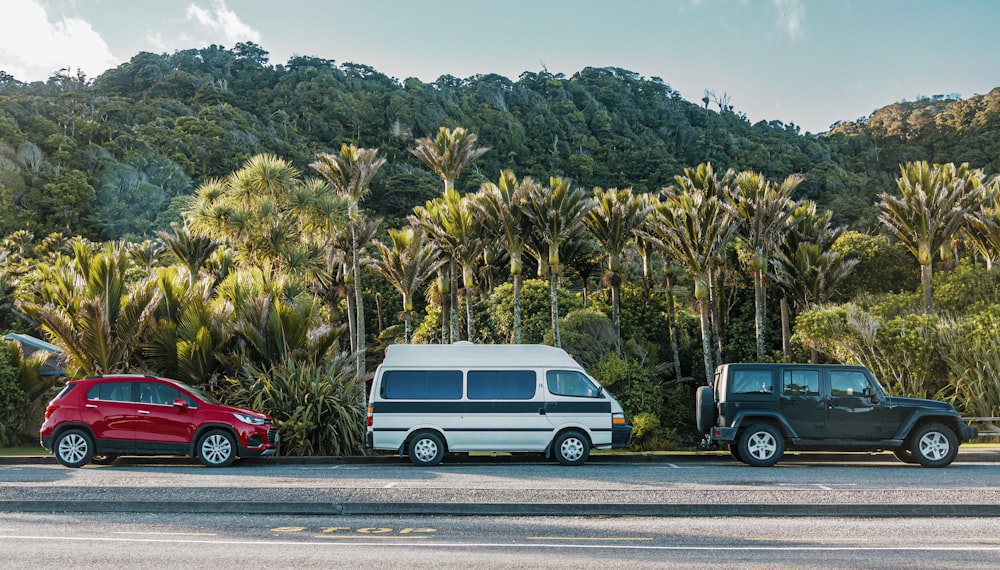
[370,411]
[49,409]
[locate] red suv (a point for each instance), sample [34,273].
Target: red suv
[99,418]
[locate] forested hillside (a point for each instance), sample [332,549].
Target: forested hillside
[264,230]
[109,157]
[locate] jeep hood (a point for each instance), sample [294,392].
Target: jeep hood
[898,401]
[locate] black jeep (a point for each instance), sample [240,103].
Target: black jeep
[759,410]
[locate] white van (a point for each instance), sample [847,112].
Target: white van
[431,399]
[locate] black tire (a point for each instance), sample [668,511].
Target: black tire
[734,450]
[73,448]
[571,448]
[705,410]
[426,449]
[903,454]
[934,445]
[104,459]
[761,445]
[216,448]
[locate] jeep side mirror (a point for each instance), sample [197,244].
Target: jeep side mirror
[869,393]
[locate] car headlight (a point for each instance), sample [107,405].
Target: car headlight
[248,419]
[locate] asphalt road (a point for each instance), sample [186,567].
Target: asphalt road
[33,541]
[806,485]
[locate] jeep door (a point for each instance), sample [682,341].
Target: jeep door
[852,413]
[802,402]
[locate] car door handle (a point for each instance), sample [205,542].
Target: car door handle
[541,411]
[143,412]
[91,406]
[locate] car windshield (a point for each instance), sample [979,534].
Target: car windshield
[198,393]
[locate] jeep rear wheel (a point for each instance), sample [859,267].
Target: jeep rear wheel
[761,445]
[934,445]
[734,450]
[904,455]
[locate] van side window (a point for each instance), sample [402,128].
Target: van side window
[422,385]
[501,384]
[800,382]
[752,382]
[571,383]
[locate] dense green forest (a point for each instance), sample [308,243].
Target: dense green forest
[263,230]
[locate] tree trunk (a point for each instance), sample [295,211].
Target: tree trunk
[616,314]
[786,331]
[759,300]
[360,301]
[517,308]
[925,282]
[714,317]
[469,321]
[672,326]
[554,298]
[453,288]
[706,342]
[443,282]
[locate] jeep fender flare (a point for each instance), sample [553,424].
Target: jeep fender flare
[920,416]
[751,416]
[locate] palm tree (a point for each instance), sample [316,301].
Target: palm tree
[765,209]
[556,212]
[351,173]
[935,204]
[89,309]
[692,226]
[191,250]
[984,230]
[448,154]
[613,222]
[503,209]
[407,263]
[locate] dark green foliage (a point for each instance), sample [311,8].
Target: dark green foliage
[536,320]
[587,335]
[319,407]
[13,400]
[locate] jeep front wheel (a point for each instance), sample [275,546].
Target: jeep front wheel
[934,445]
[761,445]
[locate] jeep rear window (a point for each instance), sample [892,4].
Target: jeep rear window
[752,382]
[422,385]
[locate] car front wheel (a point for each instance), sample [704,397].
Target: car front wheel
[74,448]
[216,448]
[761,445]
[934,445]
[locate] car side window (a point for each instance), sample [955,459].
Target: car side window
[800,382]
[570,383]
[157,393]
[112,392]
[753,382]
[848,383]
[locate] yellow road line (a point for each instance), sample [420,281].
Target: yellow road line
[168,533]
[367,536]
[599,538]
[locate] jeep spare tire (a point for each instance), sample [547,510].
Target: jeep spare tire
[705,411]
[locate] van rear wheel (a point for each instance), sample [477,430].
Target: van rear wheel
[571,448]
[426,449]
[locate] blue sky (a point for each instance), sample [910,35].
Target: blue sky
[808,62]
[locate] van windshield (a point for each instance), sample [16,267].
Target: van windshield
[571,383]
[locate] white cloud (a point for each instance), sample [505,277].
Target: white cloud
[33,46]
[791,17]
[220,20]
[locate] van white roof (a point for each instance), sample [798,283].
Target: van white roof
[466,354]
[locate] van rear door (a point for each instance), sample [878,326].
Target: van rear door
[573,399]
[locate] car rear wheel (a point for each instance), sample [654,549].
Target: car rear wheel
[104,459]
[426,449]
[934,445]
[572,448]
[761,445]
[216,448]
[734,450]
[74,448]
[904,455]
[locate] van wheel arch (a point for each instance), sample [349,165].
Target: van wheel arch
[571,446]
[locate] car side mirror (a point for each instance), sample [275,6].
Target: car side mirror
[181,404]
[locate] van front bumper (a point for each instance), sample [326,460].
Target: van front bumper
[620,435]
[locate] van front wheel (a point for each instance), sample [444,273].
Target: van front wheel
[426,449]
[572,448]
